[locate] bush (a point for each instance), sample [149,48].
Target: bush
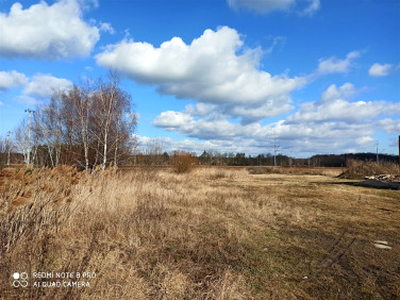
[183,162]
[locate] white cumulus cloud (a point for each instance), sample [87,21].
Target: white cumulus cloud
[390,125]
[215,68]
[337,65]
[346,91]
[172,120]
[334,107]
[380,69]
[254,138]
[46,31]
[365,140]
[11,79]
[44,85]
[332,120]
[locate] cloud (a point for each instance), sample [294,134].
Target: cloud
[336,65]
[332,120]
[267,6]
[40,85]
[365,140]
[333,107]
[305,137]
[172,120]
[47,31]
[220,129]
[277,41]
[106,27]
[380,70]
[28,100]
[262,6]
[390,125]
[12,79]
[215,68]
[44,85]
[312,8]
[185,124]
[88,4]
[346,91]
[223,146]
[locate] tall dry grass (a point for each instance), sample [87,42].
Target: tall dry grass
[148,234]
[295,171]
[357,169]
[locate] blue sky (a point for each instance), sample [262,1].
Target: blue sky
[225,75]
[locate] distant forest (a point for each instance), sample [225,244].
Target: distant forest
[241,159]
[212,158]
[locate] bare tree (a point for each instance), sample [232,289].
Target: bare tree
[153,152]
[108,95]
[3,150]
[134,145]
[22,141]
[77,106]
[113,114]
[84,125]
[49,126]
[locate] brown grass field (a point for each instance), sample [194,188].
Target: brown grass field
[213,233]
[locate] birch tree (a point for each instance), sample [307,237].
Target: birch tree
[86,125]
[79,110]
[114,117]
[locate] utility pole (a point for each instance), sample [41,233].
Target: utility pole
[289,153]
[377,153]
[276,149]
[9,147]
[399,151]
[29,136]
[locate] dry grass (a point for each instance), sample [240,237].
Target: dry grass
[209,234]
[296,170]
[360,169]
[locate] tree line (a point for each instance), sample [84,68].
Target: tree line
[153,155]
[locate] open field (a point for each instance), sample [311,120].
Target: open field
[212,233]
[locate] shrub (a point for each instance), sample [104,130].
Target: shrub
[183,162]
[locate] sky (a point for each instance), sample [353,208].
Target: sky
[307,76]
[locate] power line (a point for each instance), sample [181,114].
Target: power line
[4,98]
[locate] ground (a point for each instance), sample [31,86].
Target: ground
[213,233]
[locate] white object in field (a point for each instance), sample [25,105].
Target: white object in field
[382,245]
